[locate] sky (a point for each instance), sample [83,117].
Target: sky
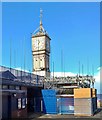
[74,29]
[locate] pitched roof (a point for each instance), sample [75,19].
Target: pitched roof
[8,75]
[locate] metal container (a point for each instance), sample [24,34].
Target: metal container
[85,106]
[65,105]
[49,101]
[84,92]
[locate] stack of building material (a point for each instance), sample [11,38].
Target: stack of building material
[85,101]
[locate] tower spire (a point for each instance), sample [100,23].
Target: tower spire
[41,14]
[40,30]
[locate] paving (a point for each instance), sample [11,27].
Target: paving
[41,116]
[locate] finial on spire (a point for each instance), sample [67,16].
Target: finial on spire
[41,16]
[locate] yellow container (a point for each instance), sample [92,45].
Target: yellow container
[84,92]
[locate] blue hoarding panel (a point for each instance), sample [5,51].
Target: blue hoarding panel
[49,93]
[49,101]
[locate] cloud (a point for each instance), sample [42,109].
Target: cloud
[99,68]
[98,75]
[98,80]
[62,74]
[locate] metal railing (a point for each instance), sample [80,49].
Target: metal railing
[20,76]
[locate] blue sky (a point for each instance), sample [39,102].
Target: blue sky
[73,27]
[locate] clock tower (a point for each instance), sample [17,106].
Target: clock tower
[41,51]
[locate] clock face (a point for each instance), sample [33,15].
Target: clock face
[38,44]
[41,44]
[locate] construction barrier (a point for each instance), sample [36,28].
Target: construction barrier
[85,102]
[65,105]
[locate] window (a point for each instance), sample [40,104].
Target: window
[23,102]
[5,87]
[19,103]
[17,87]
[11,87]
[26,101]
